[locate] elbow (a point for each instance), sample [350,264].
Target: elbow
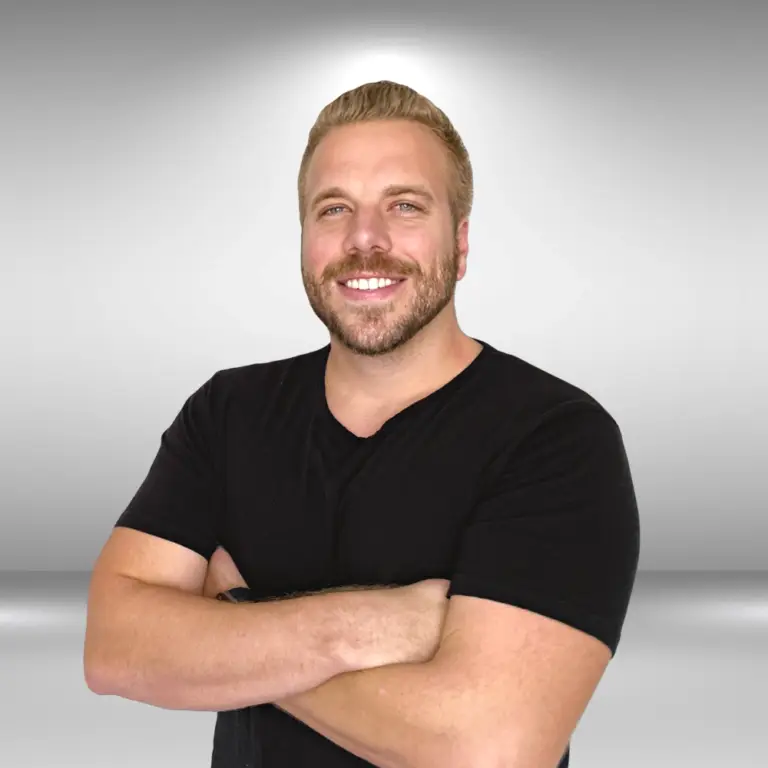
[463,751]
[96,673]
[104,680]
[101,665]
[452,751]
[97,679]
[96,683]
[493,753]
[93,667]
[109,676]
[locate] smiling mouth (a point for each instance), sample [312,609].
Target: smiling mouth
[370,283]
[370,289]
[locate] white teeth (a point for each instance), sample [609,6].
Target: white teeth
[371,284]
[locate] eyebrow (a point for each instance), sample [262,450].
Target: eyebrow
[393,190]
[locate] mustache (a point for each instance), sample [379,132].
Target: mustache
[377,262]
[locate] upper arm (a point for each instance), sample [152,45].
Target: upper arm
[175,509]
[140,556]
[179,500]
[169,530]
[541,587]
[129,559]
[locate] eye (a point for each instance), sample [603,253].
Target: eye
[412,207]
[332,208]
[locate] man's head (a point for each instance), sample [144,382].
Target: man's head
[385,192]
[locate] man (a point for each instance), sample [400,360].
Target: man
[438,539]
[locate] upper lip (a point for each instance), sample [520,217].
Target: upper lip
[368,276]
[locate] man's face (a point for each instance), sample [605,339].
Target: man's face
[378,207]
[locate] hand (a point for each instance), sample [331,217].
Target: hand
[222,574]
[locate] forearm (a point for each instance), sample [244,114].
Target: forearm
[177,650]
[395,716]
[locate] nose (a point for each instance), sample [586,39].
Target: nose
[368,231]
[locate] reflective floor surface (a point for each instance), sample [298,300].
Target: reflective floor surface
[686,688]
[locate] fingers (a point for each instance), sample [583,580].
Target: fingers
[224,571]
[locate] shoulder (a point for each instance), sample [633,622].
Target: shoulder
[528,394]
[267,373]
[521,410]
[254,382]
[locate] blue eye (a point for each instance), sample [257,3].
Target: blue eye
[411,208]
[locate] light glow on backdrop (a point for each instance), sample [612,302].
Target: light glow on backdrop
[150,205]
[418,66]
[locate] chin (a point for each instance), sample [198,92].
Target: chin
[377,343]
[369,349]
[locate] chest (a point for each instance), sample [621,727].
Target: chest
[299,515]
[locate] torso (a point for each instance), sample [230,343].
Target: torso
[309,504]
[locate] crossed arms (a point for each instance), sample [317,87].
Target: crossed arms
[505,687]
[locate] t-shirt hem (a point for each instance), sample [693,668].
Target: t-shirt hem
[596,626]
[168,533]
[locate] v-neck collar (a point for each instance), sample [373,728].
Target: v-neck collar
[340,432]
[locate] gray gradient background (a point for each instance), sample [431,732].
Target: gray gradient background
[149,236]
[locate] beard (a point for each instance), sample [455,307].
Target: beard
[383,328]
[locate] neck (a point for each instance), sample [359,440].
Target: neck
[425,363]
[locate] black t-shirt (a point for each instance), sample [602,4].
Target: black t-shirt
[508,481]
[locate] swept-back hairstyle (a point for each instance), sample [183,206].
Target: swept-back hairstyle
[387,100]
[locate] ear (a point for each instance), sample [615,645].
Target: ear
[462,247]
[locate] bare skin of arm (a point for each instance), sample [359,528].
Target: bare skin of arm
[153,633]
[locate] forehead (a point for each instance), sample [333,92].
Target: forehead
[369,156]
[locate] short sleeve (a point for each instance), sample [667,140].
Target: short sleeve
[557,531]
[178,498]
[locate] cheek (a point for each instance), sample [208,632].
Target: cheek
[319,251]
[423,243]
[314,259]
[429,255]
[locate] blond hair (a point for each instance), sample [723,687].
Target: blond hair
[387,100]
